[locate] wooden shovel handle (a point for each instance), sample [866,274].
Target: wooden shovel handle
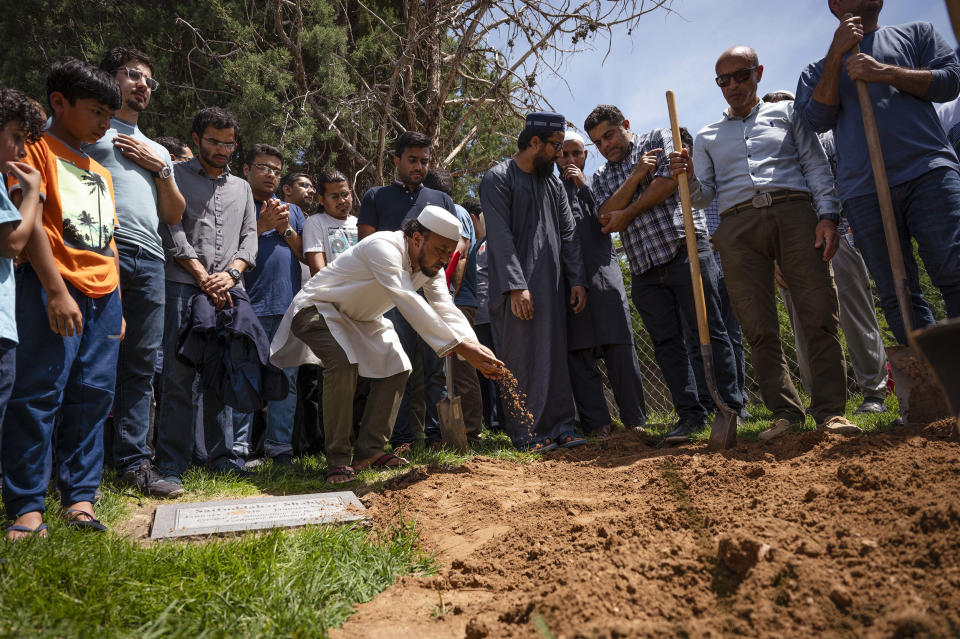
[693,256]
[886,203]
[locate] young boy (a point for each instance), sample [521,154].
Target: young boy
[21,120]
[68,312]
[333,230]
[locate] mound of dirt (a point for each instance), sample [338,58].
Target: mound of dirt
[808,535]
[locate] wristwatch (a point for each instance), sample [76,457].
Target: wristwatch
[288,233]
[163,173]
[234,273]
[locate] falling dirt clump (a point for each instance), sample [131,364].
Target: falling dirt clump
[515,402]
[854,537]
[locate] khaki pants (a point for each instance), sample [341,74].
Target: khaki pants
[339,386]
[749,241]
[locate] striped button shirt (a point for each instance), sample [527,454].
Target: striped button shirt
[655,237]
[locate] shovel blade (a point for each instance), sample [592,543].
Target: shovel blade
[723,432]
[453,429]
[940,346]
[920,396]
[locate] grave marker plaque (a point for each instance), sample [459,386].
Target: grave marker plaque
[211,517]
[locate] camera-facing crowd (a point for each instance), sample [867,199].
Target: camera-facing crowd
[157,310]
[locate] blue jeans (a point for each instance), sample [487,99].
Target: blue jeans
[927,209]
[175,420]
[8,373]
[61,397]
[142,286]
[280,414]
[664,298]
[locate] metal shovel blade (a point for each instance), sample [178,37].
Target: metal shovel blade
[453,429]
[940,347]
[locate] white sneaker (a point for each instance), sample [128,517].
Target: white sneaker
[840,425]
[780,426]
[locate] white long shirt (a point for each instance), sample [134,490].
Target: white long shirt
[354,291]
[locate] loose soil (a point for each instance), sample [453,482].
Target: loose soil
[808,535]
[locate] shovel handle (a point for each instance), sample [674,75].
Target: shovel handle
[886,203]
[690,232]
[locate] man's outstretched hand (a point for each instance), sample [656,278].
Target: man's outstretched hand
[481,358]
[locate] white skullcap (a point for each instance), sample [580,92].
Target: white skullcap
[573,135]
[440,221]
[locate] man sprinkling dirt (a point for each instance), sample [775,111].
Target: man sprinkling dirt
[339,317]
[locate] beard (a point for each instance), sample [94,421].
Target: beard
[135,106]
[428,270]
[545,169]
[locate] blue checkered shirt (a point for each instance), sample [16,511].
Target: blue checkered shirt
[655,236]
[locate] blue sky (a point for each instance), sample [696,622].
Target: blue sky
[677,51]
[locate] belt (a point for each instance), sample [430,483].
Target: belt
[764,200]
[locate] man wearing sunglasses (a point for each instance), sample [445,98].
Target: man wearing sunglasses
[637,197]
[146,194]
[777,203]
[907,68]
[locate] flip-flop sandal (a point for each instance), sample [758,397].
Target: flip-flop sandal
[83,521]
[345,473]
[384,460]
[570,440]
[30,532]
[537,446]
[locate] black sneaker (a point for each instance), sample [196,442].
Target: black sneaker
[149,481]
[682,431]
[283,459]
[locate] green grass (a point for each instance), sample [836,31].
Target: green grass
[282,583]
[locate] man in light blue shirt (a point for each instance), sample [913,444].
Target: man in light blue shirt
[906,67]
[777,203]
[146,194]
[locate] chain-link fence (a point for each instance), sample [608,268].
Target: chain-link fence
[657,394]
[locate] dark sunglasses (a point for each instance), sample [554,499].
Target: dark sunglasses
[740,75]
[135,75]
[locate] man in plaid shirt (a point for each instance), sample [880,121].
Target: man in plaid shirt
[638,198]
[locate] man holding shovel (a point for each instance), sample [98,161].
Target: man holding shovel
[906,67]
[769,212]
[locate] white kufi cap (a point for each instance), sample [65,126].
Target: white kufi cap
[440,221]
[573,135]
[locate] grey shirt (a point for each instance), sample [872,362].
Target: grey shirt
[219,224]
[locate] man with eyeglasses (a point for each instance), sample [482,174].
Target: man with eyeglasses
[214,243]
[146,194]
[907,68]
[637,197]
[297,188]
[271,286]
[777,203]
[533,257]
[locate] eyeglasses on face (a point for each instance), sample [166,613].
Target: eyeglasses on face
[136,76]
[556,145]
[226,146]
[740,75]
[269,170]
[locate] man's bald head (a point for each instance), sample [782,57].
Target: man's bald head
[747,54]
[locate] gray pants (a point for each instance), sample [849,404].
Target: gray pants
[339,386]
[858,321]
[467,386]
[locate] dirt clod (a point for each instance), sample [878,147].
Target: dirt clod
[840,596]
[738,554]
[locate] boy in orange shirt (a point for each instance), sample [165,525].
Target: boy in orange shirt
[69,317]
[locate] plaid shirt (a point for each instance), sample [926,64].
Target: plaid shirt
[655,236]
